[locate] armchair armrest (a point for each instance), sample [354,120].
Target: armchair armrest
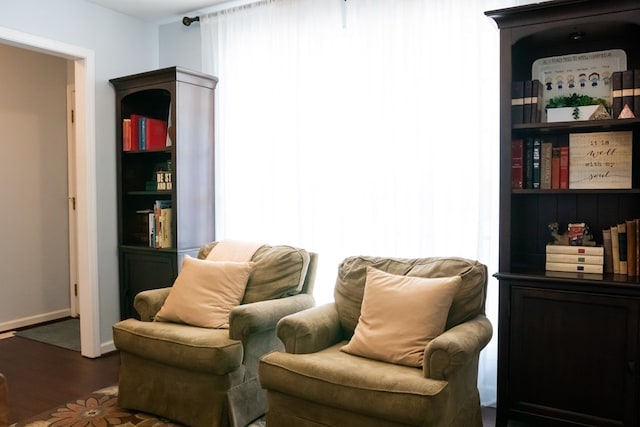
[456,347]
[247,319]
[148,303]
[310,330]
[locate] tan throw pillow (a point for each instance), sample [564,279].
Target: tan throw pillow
[205,292]
[400,315]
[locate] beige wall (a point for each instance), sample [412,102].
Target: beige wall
[34,254]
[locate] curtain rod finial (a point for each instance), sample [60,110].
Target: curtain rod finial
[188,21]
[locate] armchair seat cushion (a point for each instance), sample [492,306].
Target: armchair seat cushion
[341,380]
[187,347]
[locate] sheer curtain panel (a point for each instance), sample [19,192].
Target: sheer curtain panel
[360,127]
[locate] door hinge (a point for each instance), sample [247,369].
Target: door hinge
[73,203]
[75,289]
[73,116]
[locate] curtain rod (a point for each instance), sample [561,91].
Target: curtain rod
[221,7]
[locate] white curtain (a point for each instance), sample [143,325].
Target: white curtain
[360,127]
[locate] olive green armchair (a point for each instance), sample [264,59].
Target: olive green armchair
[4,402]
[322,381]
[201,376]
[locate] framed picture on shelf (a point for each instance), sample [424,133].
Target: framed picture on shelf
[586,73]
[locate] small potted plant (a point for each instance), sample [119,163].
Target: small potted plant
[574,106]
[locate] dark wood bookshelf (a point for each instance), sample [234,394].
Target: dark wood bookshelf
[568,343]
[185,100]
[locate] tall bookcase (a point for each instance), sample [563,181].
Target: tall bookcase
[183,99]
[568,343]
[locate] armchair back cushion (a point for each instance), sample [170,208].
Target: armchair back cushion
[467,303]
[280,271]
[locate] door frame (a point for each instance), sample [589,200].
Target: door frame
[71,195]
[84,164]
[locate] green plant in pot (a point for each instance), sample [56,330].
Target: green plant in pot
[574,100]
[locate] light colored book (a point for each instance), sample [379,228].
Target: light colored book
[615,249]
[575,250]
[576,259]
[578,268]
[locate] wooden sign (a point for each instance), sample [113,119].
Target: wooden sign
[600,160]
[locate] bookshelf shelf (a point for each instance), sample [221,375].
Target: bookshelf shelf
[564,337]
[157,228]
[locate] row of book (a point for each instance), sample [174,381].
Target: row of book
[141,133]
[579,259]
[157,224]
[625,94]
[622,248]
[526,101]
[536,163]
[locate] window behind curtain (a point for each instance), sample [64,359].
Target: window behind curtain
[360,127]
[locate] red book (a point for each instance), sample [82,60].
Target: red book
[126,135]
[135,140]
[555,168]
[516,163]
[564,167]
[156,134]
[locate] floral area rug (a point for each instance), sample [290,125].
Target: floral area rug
[100,409]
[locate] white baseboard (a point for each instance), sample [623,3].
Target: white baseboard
[33,320]
[107,347]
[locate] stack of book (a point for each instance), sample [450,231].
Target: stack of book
[526,101]
[539,163]
[140,133]
[579,259]
[625,94]
[622,248]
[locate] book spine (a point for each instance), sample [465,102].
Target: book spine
[528,93]
[545,165]
[516,163]
[637,238]
[564,168]
[627,89]
[126,135]
[606,242]
[636,91]
[517,102]
[152,230]
[555,168]
[537,147]
[135,132]
[528,162]
[616,94]
[142,133]
[536,101]
[622,246]
[631,247]
[575,250]
[578,268]
[576,259]
[615,249]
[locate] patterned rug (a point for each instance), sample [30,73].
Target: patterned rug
[100,409]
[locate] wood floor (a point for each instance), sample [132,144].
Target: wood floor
[41,376]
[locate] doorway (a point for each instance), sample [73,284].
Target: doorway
[83,64]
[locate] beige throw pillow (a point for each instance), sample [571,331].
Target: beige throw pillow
[400,315]
[204,292]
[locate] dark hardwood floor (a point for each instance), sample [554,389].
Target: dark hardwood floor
[41,376]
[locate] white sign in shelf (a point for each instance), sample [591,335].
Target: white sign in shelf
[600,160]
